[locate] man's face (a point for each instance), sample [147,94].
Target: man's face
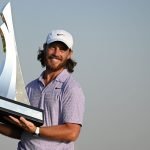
[56,55]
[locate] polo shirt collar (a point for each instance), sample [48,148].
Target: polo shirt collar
[60,78]
[63,76]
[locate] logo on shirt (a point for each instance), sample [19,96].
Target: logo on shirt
[57,88]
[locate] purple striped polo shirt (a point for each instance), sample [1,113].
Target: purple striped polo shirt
[62,101]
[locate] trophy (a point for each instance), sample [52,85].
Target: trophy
[13,96]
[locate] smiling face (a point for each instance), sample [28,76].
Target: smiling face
[56,55]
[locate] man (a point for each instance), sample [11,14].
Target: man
[58,94]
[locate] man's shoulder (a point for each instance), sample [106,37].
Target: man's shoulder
[71,82]
[32,83]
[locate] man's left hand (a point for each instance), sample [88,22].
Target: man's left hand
[23,123]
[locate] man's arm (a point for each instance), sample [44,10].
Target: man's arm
[10,131]
[65,132]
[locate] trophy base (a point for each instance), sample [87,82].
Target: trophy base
[9,107]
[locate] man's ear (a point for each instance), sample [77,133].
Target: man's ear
[70,54]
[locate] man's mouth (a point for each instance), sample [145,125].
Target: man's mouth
[54,57]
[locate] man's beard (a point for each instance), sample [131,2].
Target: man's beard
[60,66]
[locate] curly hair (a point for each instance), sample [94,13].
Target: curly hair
[70,63]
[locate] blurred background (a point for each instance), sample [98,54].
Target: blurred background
[112,48]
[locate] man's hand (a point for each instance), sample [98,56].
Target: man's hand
[23,123]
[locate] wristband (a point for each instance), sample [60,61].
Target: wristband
[37,131]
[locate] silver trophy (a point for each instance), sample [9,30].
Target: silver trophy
[13,97]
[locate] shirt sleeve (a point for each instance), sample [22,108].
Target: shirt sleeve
[73,106]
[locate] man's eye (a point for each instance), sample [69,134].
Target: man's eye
[50,47]
[63,49]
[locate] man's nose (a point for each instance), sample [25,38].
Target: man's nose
[56,51]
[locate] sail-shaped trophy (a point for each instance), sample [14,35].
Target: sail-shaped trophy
[13,97]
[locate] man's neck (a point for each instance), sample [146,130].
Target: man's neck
[48,75]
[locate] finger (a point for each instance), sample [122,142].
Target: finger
[14,119]
[29,126]
[8,119]
[24,121]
